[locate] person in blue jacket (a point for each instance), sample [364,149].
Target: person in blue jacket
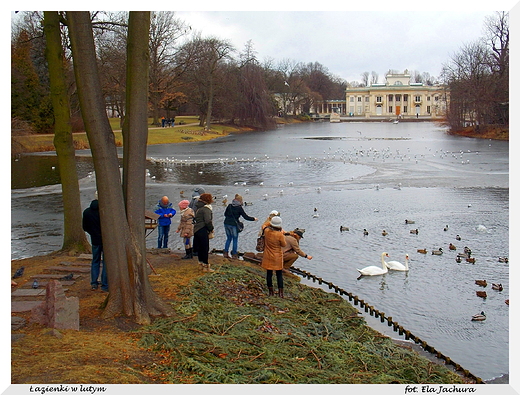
[165,211]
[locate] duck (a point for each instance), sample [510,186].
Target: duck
[482,283]
[446,228]
[398,266]
[375,270]
[458,238]
[467,250]
[343,229]
[482,294]
[458,259]
[497,287]
[422,250]
[437,252]
[452,247]
[365,232]
[409,221]
[384,232]
[414,231]
[479,317]
[470,260]
[503,259]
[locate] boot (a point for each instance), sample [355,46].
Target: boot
[188,255]
[226,255]
[280,292]
[234,256]
[271,291]
[208,268]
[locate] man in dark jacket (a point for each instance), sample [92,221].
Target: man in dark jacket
[92,225]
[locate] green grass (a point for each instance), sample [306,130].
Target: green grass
[156,135]
[227,330]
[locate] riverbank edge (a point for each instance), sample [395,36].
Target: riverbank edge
[176,275]
[18,147]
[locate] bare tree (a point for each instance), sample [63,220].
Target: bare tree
[364,78]
[74,238]
[374,78]
[123,239]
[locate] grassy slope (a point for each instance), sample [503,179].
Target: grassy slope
[225,330]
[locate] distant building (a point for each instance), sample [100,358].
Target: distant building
[397,97]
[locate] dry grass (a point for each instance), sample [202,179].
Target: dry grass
[226,329]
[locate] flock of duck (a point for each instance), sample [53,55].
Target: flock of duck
[386,266]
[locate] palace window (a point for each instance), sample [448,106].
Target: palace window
[428,109]
[390,109]
[405,97]
[367,99]
[359,98]
[428,98]
[398,98]
[379,99]
[417,98]
[405,109]
[390,97]
[351,98]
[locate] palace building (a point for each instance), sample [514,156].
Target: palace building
[397,97]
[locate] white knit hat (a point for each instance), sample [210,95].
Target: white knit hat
[276,222]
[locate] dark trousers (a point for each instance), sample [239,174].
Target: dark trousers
[201,240]
[279,278]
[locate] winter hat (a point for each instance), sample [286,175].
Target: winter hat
[276,222]
[197,191]
[274,212]
[206,198]
[298,232]
[183,204]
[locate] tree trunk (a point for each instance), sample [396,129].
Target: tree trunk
[122,249]
[210,103]
[135,137]
[74,238]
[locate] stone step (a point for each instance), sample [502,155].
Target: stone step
[69,269]
[66,263]
[85,256]
[55,276]
[20,306]
[28,292]
[43,284]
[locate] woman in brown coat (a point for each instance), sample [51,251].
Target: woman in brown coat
[272,259]
[185,227]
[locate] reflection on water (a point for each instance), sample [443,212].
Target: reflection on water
[363,176]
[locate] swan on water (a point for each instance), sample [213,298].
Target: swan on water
[395,265]
[375,270]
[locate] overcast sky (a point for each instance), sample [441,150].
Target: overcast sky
[348,43]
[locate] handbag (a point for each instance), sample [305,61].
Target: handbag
[240,226]
[211,234]
[260,242]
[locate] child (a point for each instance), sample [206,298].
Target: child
[165,211]
[185,227]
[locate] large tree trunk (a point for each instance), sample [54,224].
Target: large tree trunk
[135,137]
[122,248]
[74,238]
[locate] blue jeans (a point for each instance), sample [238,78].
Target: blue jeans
[162,240]
[231,236]
[97,260]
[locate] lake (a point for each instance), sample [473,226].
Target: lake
[373,176]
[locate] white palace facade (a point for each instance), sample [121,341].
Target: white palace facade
[397,97]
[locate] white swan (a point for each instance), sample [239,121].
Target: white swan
[375,270]
[394,265]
